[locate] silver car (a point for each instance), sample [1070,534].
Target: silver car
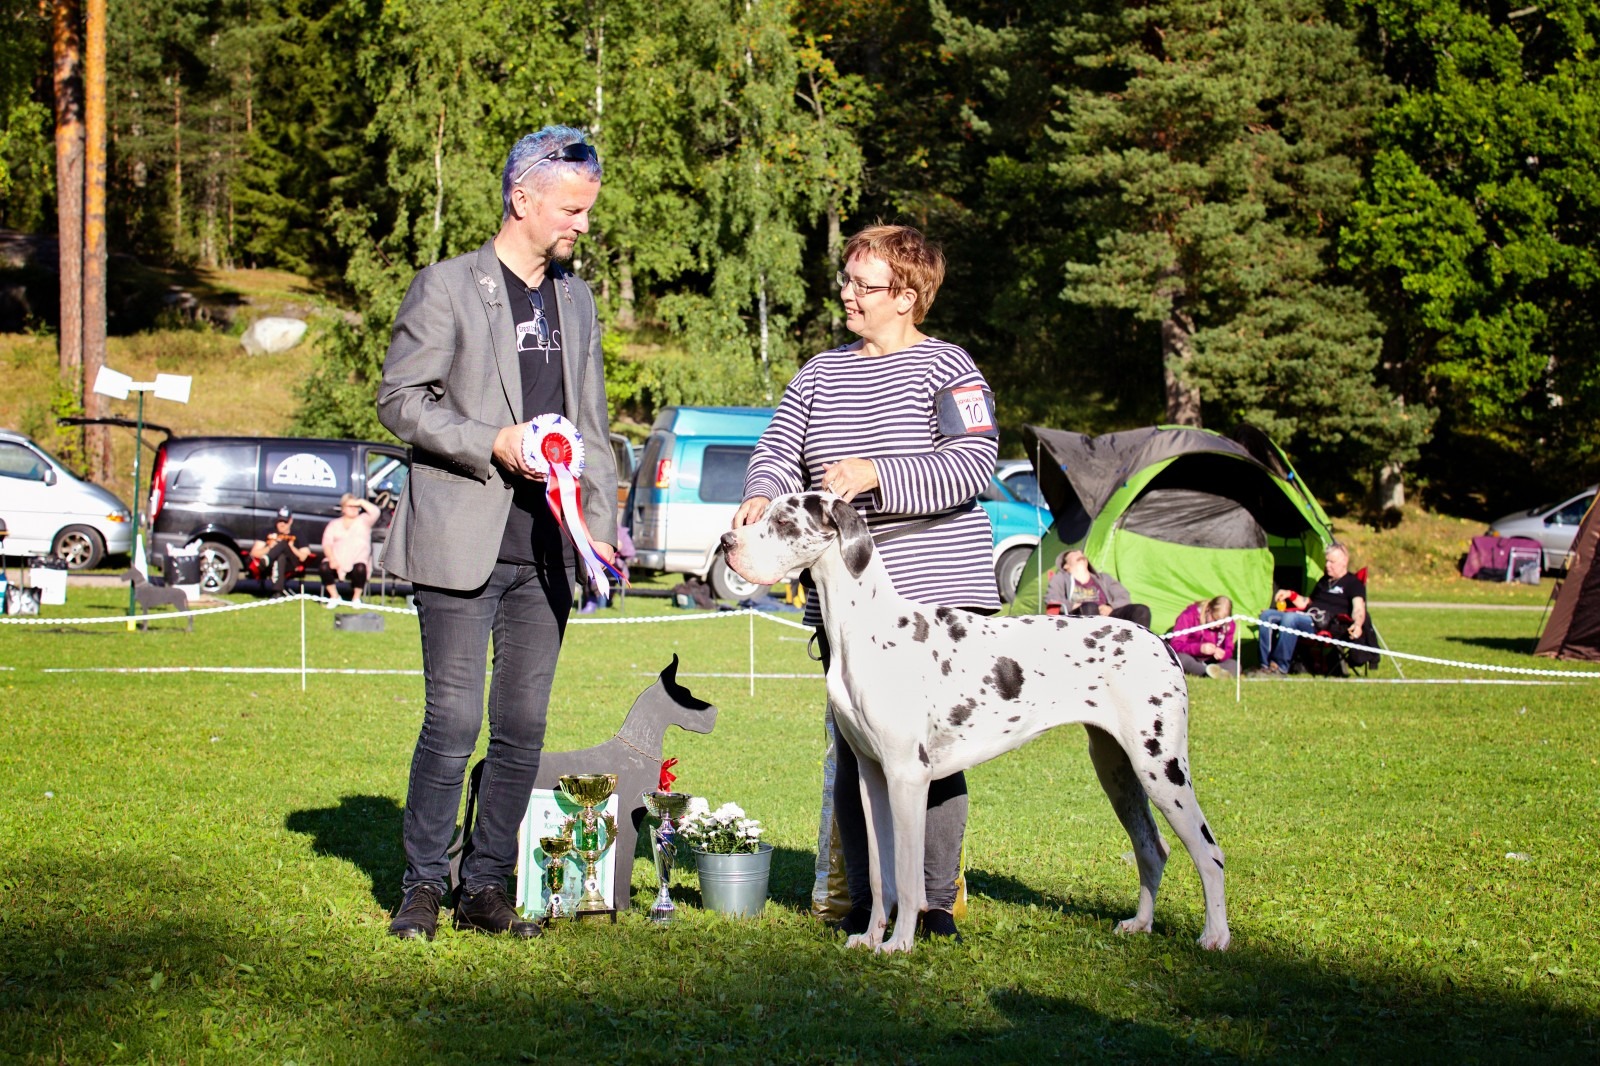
[48,511]
[1553,525]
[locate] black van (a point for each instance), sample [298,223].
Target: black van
[224,492]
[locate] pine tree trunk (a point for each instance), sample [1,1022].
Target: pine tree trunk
[98,440]
[67,46]
[1177,352]
[177,163]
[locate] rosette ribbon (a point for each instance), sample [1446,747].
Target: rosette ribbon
[554,447]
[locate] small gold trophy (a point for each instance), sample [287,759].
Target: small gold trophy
[555,868]
[666,806]
[584,830]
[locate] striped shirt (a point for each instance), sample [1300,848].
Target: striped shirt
[843,404]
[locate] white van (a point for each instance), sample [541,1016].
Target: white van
[48,511]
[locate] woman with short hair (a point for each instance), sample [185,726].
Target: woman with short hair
[902,425]
[347,548]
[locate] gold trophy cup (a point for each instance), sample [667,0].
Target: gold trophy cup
[555,867]
[667,806]
[584,830]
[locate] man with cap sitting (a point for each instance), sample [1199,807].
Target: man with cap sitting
[274,553]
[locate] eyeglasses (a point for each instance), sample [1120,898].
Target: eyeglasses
[845,281]
[572,153]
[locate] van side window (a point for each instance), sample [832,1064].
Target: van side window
[19,462]
[722,473]
[306,469]
[230,466]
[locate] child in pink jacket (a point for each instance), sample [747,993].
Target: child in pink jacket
[1206,651]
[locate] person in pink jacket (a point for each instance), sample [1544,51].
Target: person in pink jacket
[347,548]
[1206,651]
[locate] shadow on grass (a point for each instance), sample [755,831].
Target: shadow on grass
[1005,889]
[113,958]
[364,830]
[1515,645]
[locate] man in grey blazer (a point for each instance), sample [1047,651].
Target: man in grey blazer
[482,344]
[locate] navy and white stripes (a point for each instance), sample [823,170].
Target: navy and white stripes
[843,404]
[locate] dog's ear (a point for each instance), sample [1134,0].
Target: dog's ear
[854,540]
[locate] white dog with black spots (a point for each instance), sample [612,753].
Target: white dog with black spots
[922,692]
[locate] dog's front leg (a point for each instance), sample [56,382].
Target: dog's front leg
[908,809]
[880,836]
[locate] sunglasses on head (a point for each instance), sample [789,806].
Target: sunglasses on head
[572,153]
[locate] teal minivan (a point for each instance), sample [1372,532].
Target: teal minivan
[688,484]
[690,480]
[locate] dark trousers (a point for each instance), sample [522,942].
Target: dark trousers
[330,577]
[947,824]
[1137,613]
[278,566]
[524,609]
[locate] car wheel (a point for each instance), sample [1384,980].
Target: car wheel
[1008,571]
[219,568]
[728,585]
[79,547]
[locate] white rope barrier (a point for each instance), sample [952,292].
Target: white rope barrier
[748,612]
[1303,635]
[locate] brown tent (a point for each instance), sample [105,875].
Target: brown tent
[1574,629]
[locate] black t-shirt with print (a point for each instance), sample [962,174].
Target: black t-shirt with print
[532,536]
[1337,597]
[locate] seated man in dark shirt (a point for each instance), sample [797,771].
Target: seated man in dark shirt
[1338,593]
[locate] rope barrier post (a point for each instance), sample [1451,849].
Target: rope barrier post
[302,640]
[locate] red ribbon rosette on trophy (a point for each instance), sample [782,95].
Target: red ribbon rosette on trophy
[554,447]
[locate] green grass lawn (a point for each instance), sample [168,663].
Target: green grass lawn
[199,868]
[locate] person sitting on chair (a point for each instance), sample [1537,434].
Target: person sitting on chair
[275,552]
[1078,588]
[347,548]
[1339,593]
[1206,652]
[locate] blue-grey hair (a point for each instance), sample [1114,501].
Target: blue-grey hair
[539,179]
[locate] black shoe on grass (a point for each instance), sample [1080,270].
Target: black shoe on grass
[418,916]
[489,911]
[933,923]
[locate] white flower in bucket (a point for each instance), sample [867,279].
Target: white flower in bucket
[725,831]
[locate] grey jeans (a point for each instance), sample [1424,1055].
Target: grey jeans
[947,824]
[524,609]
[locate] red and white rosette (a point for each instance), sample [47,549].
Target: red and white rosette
[554,447]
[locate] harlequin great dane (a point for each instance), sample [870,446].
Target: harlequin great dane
[985,686]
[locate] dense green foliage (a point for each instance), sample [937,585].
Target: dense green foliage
[199,867]
[1369,228]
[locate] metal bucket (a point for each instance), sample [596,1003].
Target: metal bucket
[735,884]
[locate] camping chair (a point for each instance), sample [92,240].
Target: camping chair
[1331,660]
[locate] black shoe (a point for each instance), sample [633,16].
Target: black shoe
[856,922]
[938,923]
[418,916]
[489,911]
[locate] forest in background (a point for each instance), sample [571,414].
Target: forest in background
[1369,228]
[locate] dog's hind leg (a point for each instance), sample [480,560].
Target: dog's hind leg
[1128,798]
[1178,804]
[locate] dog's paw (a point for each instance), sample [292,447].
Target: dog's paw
[1215,941]
[1135,924]
[862,940]
[894,944]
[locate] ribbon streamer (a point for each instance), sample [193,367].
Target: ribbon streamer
[554,447]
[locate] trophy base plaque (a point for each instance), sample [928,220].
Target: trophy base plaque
[609,912]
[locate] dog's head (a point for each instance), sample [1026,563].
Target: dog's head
[795,533]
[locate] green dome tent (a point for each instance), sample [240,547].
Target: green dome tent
[1176,514]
